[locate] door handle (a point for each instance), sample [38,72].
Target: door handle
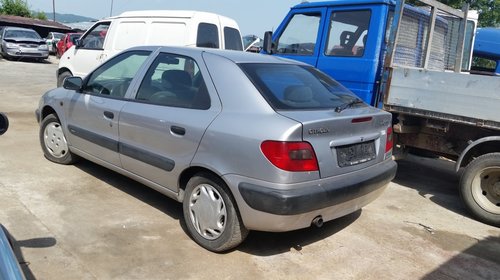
[178,130]
[109,114]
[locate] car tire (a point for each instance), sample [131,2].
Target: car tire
[53,141]
[211,215]
[61,77]
[480,188]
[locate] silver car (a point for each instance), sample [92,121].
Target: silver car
[19,42]
[244,141]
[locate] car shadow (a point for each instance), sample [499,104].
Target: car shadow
[257,243]
[483,258]
[434,179]
[41,242]
[273,243]
[132,188]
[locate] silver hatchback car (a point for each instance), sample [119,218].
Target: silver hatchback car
[244,141]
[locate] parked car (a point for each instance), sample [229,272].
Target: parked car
[52,39]
[66,42]
[22,42]
[138,28]
[244,141]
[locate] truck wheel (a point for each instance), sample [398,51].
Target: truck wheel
[53,142]
[61,77]
[210,214]
[480,188]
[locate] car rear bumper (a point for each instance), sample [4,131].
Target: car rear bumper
[274,207]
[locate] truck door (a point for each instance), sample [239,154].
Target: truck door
[351,49]
[299,36]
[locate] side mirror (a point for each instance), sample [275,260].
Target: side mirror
[4,123]
[267,46]
[78,43]
[73,83]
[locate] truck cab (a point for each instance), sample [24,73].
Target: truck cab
[346,39]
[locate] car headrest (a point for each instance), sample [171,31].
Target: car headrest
[299,94]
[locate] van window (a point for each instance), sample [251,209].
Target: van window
[348,33]
[175,81]
[208,36]
[94,39]
[299,36]
[232,39]
[131,34]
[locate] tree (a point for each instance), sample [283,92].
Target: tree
[15,8]
[40,15]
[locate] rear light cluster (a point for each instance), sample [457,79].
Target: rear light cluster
[389,143]
[290,156]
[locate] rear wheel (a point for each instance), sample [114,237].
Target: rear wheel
[61,77]
[53,142]
[210,214]
[480,188]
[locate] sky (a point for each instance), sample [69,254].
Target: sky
[253,16]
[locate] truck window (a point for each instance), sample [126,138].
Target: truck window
[348,33]
[94,39]
[300,34]
[208,36]
[232,39]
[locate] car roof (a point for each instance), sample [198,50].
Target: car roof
[234,56]
[342,3]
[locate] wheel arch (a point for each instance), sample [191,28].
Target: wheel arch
[47,110]
[190,172]
[62,70]
[477,148]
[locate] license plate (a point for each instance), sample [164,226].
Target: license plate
[350,155]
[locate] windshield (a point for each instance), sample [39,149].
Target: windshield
[296,87]
[22,34]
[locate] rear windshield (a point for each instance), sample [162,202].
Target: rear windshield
[297,87]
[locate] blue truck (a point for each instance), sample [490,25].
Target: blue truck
[487,47]
[415,62]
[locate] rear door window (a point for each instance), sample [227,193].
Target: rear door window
[295,87]
[208,36]
[232,39]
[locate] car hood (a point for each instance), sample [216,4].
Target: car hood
[24,40]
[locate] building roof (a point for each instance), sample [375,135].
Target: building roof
[32,21]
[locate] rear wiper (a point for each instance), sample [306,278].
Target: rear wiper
[344,106]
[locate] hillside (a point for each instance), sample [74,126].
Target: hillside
[68,18]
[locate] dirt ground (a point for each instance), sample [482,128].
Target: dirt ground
[86,222]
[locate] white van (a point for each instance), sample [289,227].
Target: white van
[175,28]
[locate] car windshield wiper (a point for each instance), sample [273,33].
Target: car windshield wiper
[344,106]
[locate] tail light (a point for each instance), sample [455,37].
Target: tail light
[290,156]
[389,142]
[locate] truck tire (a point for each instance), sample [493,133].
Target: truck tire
[480,188]
[61,77]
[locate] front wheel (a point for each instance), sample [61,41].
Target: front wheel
[61,77]
[53,142]
[210,214]
[480,188]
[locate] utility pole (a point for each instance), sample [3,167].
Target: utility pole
[54,9]
[111,10]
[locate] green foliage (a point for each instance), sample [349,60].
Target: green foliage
[15,8]
[40,15]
